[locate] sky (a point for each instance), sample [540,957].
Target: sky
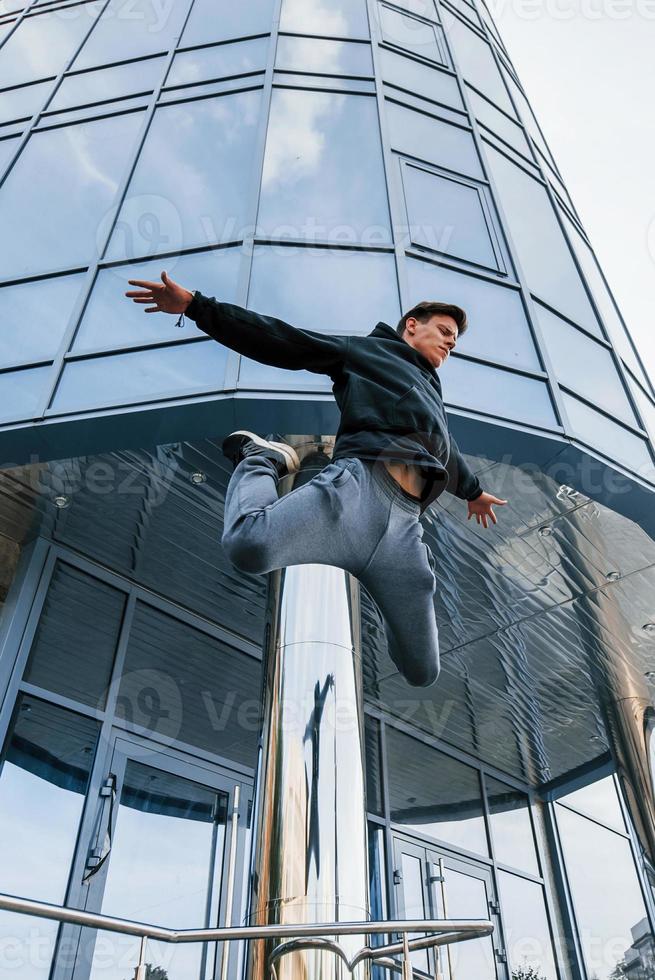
[588,69]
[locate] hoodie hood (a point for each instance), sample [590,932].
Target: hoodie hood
[385,332]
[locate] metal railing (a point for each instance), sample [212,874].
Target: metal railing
[305,936]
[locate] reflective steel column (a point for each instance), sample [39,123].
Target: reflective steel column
[309,861]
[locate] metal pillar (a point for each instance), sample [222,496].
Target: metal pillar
[309,861]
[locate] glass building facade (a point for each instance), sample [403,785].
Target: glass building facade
[330,162]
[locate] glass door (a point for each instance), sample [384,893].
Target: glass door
[157,853]
[432,883]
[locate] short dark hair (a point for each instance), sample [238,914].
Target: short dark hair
[427,308]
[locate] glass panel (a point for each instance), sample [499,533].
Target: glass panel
[42,45]
[486,305]
[415,906]
[466,896]
[526,114]
[21,393]
[431,139]
[511,828]
[319,55]
[122,33]
[434,795]
[73,650]
[34,318]
[208,698]
[77,115]
[210,21]
[417,36]
[214,151]
[83,163]
[486,389]
[542,249]
[467,11]
[327,82]
[373,767]
[475,60]
[527,936]
[23,101]
[645,406]
[110,318]
[131,378]
[336,18]
[299,286]
[43,783]
[165,867]
[499,123]
[107,83]
[7,150]
[612,920]
[569,349]
[448,216]
[609,437]
[599,800]
[313,138]
[377,887]
[613,323]
[420,79]
[218,62]
[424,8]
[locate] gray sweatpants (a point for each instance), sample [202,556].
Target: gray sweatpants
[354,515]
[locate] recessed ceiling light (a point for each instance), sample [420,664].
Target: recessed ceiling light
[649,628]
[595,738]
[61,501]
[198,477]
[612,576]
[650,675]
[545,531]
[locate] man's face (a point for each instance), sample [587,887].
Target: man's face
[434,338]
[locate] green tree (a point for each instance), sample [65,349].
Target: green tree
[527,973]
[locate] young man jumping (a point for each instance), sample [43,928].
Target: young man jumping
[393,456]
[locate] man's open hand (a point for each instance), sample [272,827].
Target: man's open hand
[482,508]
[167,295]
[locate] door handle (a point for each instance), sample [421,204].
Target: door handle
[99,853]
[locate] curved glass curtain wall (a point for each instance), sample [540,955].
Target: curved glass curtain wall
[265,153]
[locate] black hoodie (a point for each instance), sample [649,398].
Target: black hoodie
[388,393]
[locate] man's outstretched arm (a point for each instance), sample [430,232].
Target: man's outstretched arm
[263,338]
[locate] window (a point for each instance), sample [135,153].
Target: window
[210,684]
[219,61]
[131,32]
[121,379]
[528,939]
[334,18]
[107,83]
[330,289]
[499,393]
[569,348]
[452,217]
[73,650]
[609,437]
[84,163]
[414,35]
[511,827]
[315,54]
[7,149]
[21,393]
[500,124]
[20,102]
[599,800]
[609,908]
[211,21]
[434,795]
[34,318]
[314,138]
[428,138]
[542,248]
[420,79]
[43,782]
[475,60]
[498,328]
[374,803]
[113,320]
[42,45]
[191,189]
